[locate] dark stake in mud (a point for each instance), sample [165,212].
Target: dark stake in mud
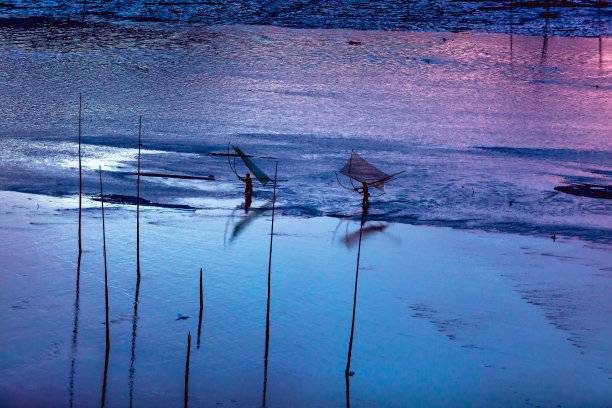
[80,182]
[348,371]
[75,328]
[138,205]
[83,17]
[265,384]
[105,292]
[187,368]
[201,309]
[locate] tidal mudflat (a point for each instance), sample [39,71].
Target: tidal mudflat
[464,297]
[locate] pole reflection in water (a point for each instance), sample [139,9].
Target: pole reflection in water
[348,391]
[265,384]
[133,357]
[75,331]
[187,369]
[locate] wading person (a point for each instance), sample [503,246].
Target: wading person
[248,190]
[365,203]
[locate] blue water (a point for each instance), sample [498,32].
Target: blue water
[568,18]
[476,121]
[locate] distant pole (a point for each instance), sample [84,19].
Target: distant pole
[138,205]
[348,362]
[80,180]
[83,18]
[600,51]
[201,309]
[269,278]
[187,368]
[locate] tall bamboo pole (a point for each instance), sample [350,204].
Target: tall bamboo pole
[105,293]
[138,204]
[269,279]
[347,372]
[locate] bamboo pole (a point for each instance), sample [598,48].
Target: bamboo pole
[105,293]
[347,372]
[83,17]
[105,267]
[75,328]
[187,368]
[80,182]
[138,205]
[201,309]
[268,304]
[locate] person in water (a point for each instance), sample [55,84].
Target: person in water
[248,190]
[365,204]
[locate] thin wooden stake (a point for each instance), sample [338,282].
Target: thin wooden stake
[138,205]
[105,292]
[83,18]
[268,305]
[105,267]
[75,329]
[348,362]
[201,309]
[187,368]
[80,181]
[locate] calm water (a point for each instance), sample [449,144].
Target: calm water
[580,17]
[510,118]
[444,317]
[486,311]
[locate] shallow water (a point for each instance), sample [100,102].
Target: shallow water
[567,18]
[486,311]
[444,317]
[476,120]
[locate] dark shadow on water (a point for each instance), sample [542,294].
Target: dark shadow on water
[351,239]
